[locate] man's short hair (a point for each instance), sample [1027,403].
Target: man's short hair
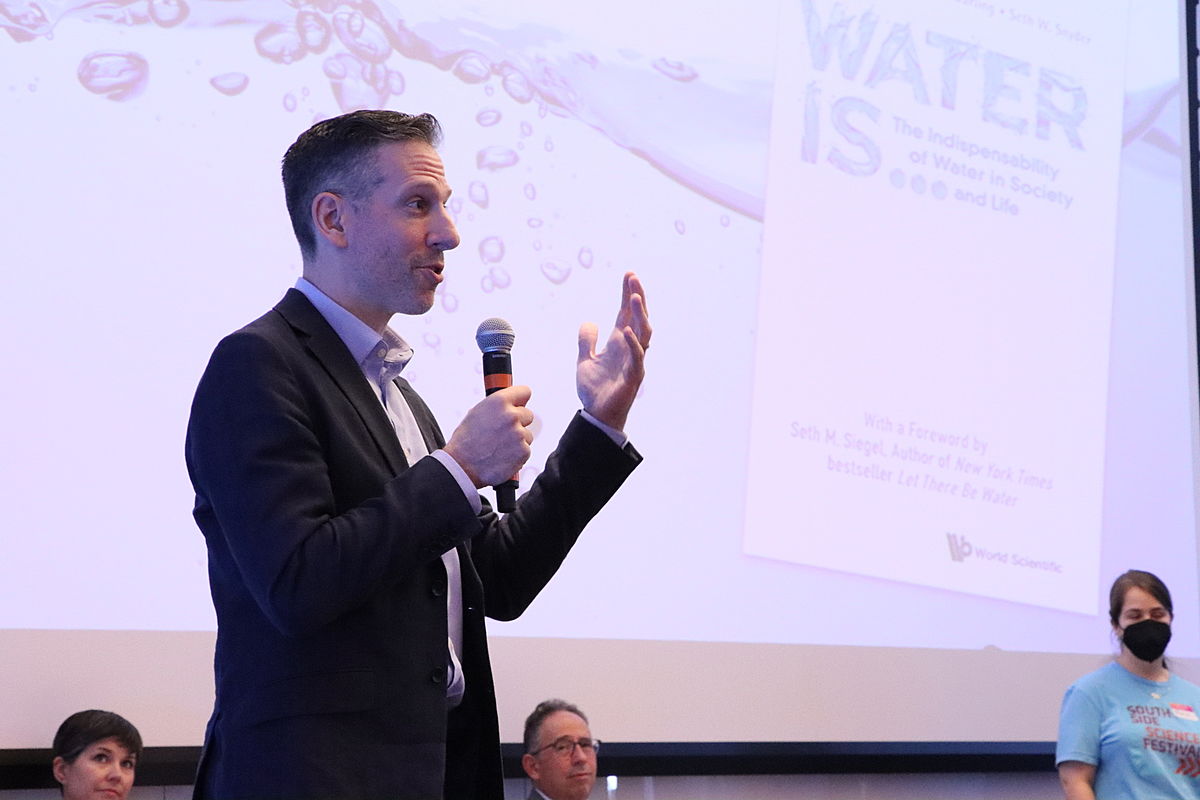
[338,155]
[87,727]
[533,722]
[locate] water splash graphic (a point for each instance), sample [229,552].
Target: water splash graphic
[478,192]
[555,272]
[168,13]
[230,83]
[314,31]
[675,70]
[117,76]
[563,73]
[280,43]
[496,157]
[491,249]
[487,117]
[364,37]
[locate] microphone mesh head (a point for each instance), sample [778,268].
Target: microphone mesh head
[494,334]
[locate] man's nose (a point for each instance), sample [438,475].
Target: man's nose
[444,235]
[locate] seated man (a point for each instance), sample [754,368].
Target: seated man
[560,753]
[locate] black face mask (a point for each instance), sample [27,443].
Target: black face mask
[1147,639]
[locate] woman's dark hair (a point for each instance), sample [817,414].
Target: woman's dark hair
[1136,578]
[86,727]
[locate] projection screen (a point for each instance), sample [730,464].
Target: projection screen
[923,378]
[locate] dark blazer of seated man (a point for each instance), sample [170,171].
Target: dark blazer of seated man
[560,753]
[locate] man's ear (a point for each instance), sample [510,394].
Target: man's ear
[530,765]
[329,213]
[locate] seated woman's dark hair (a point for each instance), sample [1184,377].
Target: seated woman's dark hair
[85,727]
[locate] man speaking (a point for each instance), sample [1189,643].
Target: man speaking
[351,558]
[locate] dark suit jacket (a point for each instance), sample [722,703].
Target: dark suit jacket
[324,561]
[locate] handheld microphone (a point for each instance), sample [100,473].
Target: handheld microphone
[495,338]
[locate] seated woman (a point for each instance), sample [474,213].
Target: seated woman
[95,754]
[1131,729]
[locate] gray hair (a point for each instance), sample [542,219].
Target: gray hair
[533,723]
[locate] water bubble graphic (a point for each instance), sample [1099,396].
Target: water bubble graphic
[939,190]
[456,205]
[137,14]
[364,37]
[918,184]
[487,117]
[494,158]
[530,191]
[537,245]
[449,302]
[675,70]
[377,76]
[30,16]
[314,31]
[534,222]
[680,227]
[478,192]
[586,258]
[472,68]
[279,43]
[487,284]
[516,85]
[395,82]
[549,145]
[724,220]
[500,277]
[117,76]
[354,86]
[432,339]
[491,249]
[335,68]
[349,22]
[897,178]
[289,102]
[230,83]
[555,273]
[526,129]
[168,13]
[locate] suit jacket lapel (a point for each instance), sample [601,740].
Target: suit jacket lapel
[330,352]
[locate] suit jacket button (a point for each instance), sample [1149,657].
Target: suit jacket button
[438,589]
[438,675]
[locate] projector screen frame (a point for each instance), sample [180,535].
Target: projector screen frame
[28,768]
[176,766]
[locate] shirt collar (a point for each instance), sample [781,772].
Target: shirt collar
[384,357]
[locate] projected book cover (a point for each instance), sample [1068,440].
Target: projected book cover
[920,411]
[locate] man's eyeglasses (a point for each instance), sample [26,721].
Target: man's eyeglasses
[564,746]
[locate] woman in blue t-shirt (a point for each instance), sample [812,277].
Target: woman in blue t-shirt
[1131,729]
